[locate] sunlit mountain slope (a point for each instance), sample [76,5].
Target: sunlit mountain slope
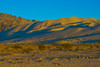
[73,29]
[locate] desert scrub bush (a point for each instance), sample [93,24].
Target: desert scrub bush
[39,59]
[67,46]
[17,49]
[97,46]
[84,48]
[32,55]
[91,47]
[4,53]
[27,51]
[16,46]
[54,58]
[68,57]
[62,56]
[59,48]
[31,47]
[41,47]
[49,47]
[77,49]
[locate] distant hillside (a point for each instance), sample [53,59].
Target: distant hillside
[9,21]
[73,29]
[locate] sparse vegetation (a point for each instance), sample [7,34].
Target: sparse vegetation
[42,47]
[19,49]
[32,51]
[39,59]
[67,46]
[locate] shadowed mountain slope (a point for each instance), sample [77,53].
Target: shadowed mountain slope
[73,29]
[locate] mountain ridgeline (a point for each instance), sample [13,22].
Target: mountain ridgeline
[73,29]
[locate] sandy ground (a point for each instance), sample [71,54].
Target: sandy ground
[52,59]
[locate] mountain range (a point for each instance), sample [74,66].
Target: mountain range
[72,29]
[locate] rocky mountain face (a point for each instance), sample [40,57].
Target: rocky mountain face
[73,29]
